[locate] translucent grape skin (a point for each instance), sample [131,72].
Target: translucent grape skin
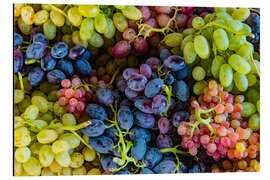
[138,149]
[125,117]
[96,111]
[144,120]
[152,157]
[153,87]
[101,144]
[96,128]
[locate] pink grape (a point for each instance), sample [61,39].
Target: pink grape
[146,70]
[146,13]
[76,81]
[181,20]
[225,141]
[141,45]
[121,49]
[222,131]
[62,101]
[69,93]
[211,147]
[129,34]
[162,20]
[80,106]
[162,9]
[204,139]
[73,102]
[66,83]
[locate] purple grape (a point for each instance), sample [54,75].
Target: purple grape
[144,120]
[144,105]
[159,104]
[18,60]
[152,157]
[181,90]
[35,31]
[17,39]
[125,117]
[122,85]
[59,50]
[127,73]
[154,63]
[39,37]
[254,22]
[126,102]
[96,111]
[130,94]
[76,52]
[121,49]
[146,13]
[107,163]
[55,76]
[136,133]
[146,70]
[35,76]
[36,50]
[153,87]
[111,132]
[181,20]
[138,149]
[96,128]
[117,95]
[101,144]
[163,125]
[123,172]
[104,95]
[83,67]
[26,70]
[66,67]
[174,63]
[165,167]
[179,117]
[169,79]
[164,54]
[146,171]
[164,141]
[48,62]
[137,82]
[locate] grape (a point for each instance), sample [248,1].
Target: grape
[104,95]
[146,70]
[174,63]
[254,22]
[47,136]
[48,62]
[252,96]
[57,18]
[178,117]
[159,104]
[22,154]
[198,73]
[239,64]
[72,140]
[65,66]
[55,76]
[241,14]
[86,28]
[226,75]
[63,159]
[181,90]
[120,22]
[199,86]
[88,10]
[49,30]
[27,14]
[130,94]
[137,82]
[127,73]
[21,137]
[162,9]
[131,12]
[123,172]
[146,13]
[216,64]
[184,73]
[240,81]
[107,163]
[144,120]
[154,63]
[137,132]
[31,112]
[163,125]
[39,37]
[77,160]
[96,128]
[83,67]
[146,171]
[138,149]
[59,50]
[18,60]
[173,39]
[221,39]
[89,154]
[77,52]
[201,46]
[17,39]
[25,28]
[254,122]
[32,167]
[129,34]
[153,87]
[96,111]
[235,25]
[110,31]
[189,52]
[164,141]
[46,155]
[162,20]
[197,22]
[165,166]
[101,23]
[140,45]
[121,49]
[36,50]
[101,144]
[125,117]
[74,16]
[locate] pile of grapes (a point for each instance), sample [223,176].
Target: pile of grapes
[104,89]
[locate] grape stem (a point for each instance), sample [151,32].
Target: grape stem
[32,61]
[21,81]
[255,10]
[58,10]
[114,75]
[168,91]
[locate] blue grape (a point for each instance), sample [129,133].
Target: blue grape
[146,171]
[96,111]
[144,105]
[178,117]
[126,102]
[86,55]
[79,53]
[195,169]
[159,104]
[123,172]
[184,73]
[163,125]
[174,63]
[18,60]
[152,157]
[153,87]
[165,166]
[35,76]
[55,76]
[122,85]
[144,120]
[125,117]
[169,79]
[116,152]
[138,149]
[83,67]
[182,168]
[130,94]
[104,95]
[164,54]
[254,22]
[181,90]
[137,132]
[18,39]
[48,62]
[65,66]
[137,82]
[101,144]
[164,141]
[36,50]
[117,95]
[39,37]
[111,132]
[107,163]
[154,63]
[96,128]
[59,50]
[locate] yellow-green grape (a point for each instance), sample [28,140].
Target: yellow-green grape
[17,9]
[254,122]
[86,28]
[76,39]
[38,125]
[72,140]
[230,88]
[57,18]
[101,23]
[119,6]
[201,47]
[59,130]
[16,110]
[208,18]
[96,40]
[46,155]
[120,22]
[110,31]
[216,64]
[48,116]
[131,12]
[39,93]
[60,146]
[25,28]
[188,31]
[47,172]
[47,136]
[67,38]
[18,96]
[241,14]
[63,159]
[186,39]
[89,154]
[22,154]
[49,30]
[27,85]
[251,79]
[32,167]
[18,122]
[246,51]
[198,73]
[199,86]
[41,103]
[176,51]
[25,103]
[52,96]
[221,39]
[27,14]
[94,171]
[248,109]
[79,171]
[35,148]
[239,64]
[88,10]
[18,169]
[220,9]
[41,17]
[235,25]
[31,112]
[223,16]
[173,39]
[55,167]
[246,28]
[66,171]
[46,7]
[236,42]
[255,66]
[77,160]
[74,16]
[197,22]
[258,106]
[240,81]
[68,119]
[230,10]
[225,75]
[189,53]
[58,110]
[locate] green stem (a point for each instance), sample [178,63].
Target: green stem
[81,139]
[168,91]
[58,10]
[21,81]
[114,75]
[32,61]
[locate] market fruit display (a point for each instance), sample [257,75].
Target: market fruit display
[119,89]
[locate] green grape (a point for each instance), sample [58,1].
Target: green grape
[221,39]
[38,125]
[39,93]
[52,96]
[230,10]
[208,33]
[46,7]
[46,155]
[86,28]
[76,39]
[50,106]
[47,172]
[16,110]
[119,6]
[246,51]
[46,87]
[63,159]
[185,41]
[236,42]
[248,109]
[25,28]
[49,30]
[225,75]
[17,9]
[198,22]
[88,10]
[219,9]
[68,119]
[240,81]
[96,40]
[18,96]
[41,17]
[120,22]
[32,167]
[21,137]
[253,96]
[216,64]
[67,38]
[18,122]
[79,171]
[131,12]
[251,79]
[110,31]
[60,146]
[235,25]
[57,18]
[258,106]
[255,66]
[94,171]
[223,16]
[18,169]
[206,65]
[31,112]
[239,64]
[46,136]
[198,73]
[25,103]
[59,130]
[188,31]
[22,154]
[72,140]
[246,28]
[66,30]
[101,23]
[66,171]
[27,14]
[35,148]
[201,47]
[89,154]
[58,110]
[241,14]
[230,88]
[41,103]
[77,160]
[220,21]
[173,39]
[208,18]
[74,16]
[176,51]
[189,53]
[48,116]
[199,86]
[55,167]
[254,122]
